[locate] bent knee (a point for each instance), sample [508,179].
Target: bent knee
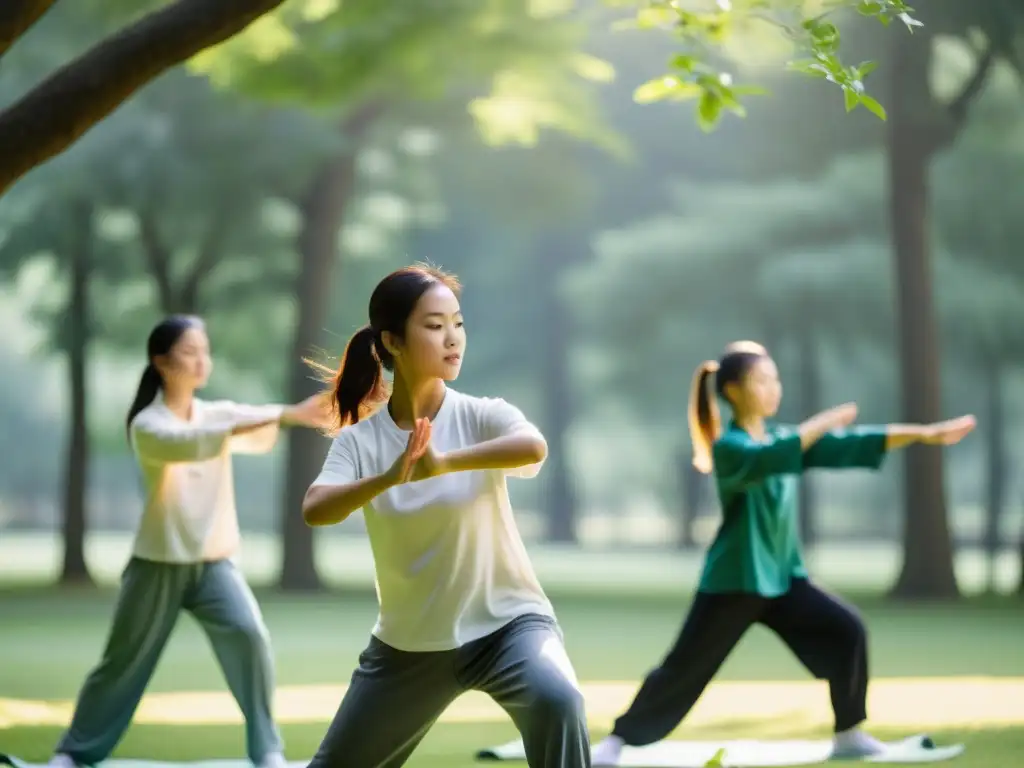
[855,629]
[250,634]
[559,700]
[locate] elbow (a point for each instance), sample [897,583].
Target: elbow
[538,449]
[311,509]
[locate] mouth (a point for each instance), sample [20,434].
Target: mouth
[453,359]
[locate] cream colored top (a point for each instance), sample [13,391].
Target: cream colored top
[189,514]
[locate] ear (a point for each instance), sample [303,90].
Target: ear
[161,363]
[732,391]
[391,343]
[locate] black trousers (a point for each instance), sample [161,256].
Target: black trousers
[827,636]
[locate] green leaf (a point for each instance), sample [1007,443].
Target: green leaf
[683,62]
[685,91]
[668,87]
[709,110]
[731,103]
[824,36]
[872,106]
[851,99]
[655,90]
[869,8]
[811,67]
[865,68]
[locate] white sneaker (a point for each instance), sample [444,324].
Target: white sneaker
[60,760]
[274,760]
[607,753]
[855,744]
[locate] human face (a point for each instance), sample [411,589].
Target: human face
[435,337]
[188,364]
[760,393]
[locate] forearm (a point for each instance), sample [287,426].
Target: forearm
[901,435]
[332,504]
[811,431]
[509,452]
[250,428]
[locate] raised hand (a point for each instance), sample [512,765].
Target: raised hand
[949,432]
[833,418]
[419,441]
[842,415]
[430,464]
[315,412]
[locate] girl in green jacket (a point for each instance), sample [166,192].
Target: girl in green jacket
[754,572]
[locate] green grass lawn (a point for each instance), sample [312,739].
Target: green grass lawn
[49,639]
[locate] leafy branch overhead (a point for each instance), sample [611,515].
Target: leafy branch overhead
[810,36]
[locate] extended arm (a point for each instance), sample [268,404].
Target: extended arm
[524,449]
[739,460]
[160,437]
[867,446]
[857,447]
[332,504]
[510,442]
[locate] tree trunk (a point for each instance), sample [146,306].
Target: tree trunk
[927,570]
[76,333]
[57,112]
[811,403]
[323,213]
[996,432]
[562,502]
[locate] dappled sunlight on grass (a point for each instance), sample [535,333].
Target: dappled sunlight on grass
[780,708]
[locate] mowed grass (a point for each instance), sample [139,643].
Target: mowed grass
[49,639]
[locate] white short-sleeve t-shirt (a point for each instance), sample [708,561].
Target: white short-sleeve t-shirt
[451,565]
[189,514]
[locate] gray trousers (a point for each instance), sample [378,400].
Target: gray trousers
[152,595]
[396,696]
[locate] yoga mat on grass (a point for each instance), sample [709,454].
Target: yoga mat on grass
[748,753]
[131,762]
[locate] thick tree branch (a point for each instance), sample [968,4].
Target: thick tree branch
[158,257]
[54,114]
[16,16]
[210,252]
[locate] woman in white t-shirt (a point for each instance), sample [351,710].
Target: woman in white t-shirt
[184,546]
[460,606]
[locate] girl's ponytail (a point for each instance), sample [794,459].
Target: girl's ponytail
[149,388]
[358,386]
[705,422]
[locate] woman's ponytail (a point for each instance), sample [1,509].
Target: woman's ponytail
[358,386]
[149,388]
[705,422]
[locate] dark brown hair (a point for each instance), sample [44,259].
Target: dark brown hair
[358,385]
[161,340]
[703,414]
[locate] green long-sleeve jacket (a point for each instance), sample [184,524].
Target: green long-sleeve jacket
[757,548]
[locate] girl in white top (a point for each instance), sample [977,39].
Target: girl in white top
[184,546]
[460,606]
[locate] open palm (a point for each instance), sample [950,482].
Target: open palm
[419,440]
[951,432]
